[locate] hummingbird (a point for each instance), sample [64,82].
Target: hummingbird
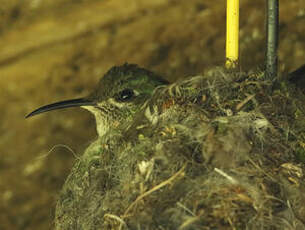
[120,93]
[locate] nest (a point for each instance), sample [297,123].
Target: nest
[219,151]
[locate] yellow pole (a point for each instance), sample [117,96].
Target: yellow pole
[232,40]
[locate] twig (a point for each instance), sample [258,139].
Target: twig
[157,187]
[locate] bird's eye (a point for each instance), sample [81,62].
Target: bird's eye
[125,95]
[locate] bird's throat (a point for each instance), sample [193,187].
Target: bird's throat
[103,123]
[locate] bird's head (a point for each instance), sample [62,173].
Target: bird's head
[120,93]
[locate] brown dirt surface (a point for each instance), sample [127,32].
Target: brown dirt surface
[58,49]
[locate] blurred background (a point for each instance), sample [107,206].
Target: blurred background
[54,50]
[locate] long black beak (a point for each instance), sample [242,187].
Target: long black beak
[61,105]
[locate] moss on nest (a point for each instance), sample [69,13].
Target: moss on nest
[219,151]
